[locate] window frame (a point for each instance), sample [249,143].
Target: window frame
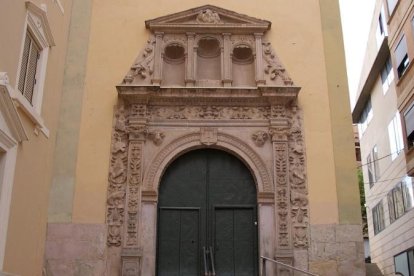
[38,27]
[366,117]
[378,222]
[395,136]
[402,191]
[409,257]
[387,76]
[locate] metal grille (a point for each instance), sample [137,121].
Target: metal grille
[27,79]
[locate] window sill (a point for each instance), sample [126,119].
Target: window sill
[23,104]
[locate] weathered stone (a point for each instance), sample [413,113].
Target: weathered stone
[351,268]
[348,233]
[324,267]
[323,233]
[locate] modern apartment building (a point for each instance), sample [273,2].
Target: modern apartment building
[33,43]
[383,111]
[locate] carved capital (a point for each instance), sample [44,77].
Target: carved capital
[279,134]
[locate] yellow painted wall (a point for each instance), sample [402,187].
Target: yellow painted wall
[28,212]
[118,33]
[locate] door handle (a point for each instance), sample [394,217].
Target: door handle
[206,272]
[212,262]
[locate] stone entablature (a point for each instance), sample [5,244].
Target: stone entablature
[173,100]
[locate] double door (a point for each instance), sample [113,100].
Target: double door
[207,218]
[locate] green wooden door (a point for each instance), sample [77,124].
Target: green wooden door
[207,198]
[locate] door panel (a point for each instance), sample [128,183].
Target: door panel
[207,198]
[235,241]
[178,242]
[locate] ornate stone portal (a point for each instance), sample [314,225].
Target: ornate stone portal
[206,78]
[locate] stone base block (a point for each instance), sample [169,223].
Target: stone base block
[337,249]
[76,249]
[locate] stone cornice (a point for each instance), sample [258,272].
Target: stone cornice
[214,95]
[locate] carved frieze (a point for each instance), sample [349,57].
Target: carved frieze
[208,112]
[117,180]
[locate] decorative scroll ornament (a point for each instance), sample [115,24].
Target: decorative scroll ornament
[260,138]
[208,16]
[117,180]
[274,68]
[143,66]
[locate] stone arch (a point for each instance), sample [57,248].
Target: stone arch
[226,142]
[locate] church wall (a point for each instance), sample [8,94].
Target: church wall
[306,37]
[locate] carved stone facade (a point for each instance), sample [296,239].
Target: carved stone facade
[172,100]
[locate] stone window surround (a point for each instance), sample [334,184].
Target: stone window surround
[8,146]
[38,25]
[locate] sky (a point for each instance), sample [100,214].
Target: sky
[356,18]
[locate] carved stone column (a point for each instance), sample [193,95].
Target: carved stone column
[157,59]
[260,80]
[279,131]
[227,76]
[190,65]
[131,251]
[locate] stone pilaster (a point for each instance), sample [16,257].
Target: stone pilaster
[227,76]
[131,251]
[157,59]
[190,59]
[260,80]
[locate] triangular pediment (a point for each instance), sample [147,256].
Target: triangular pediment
[207,16]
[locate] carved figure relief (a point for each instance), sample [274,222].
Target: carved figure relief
[117,180]
[208,16]
[260,138]
[299,200]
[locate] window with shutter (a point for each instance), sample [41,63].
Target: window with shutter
[27,78]
[401,57]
